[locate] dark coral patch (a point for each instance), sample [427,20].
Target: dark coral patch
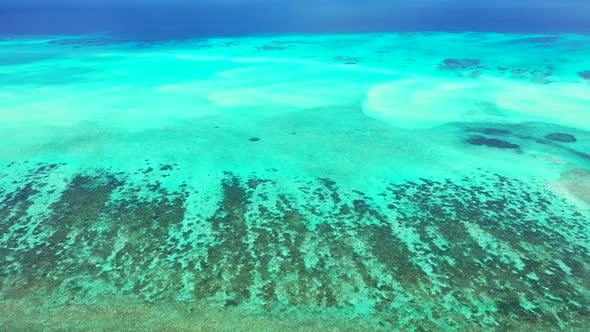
[537,76]
[585,74]
[349,60]
[459,64]
[491,142]
[561,137]
[83,42]
[492,240]
[492,131]
[272,48]
[534,40]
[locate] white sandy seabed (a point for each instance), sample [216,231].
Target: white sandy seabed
[201,101]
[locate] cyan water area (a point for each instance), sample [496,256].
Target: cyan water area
[398,181]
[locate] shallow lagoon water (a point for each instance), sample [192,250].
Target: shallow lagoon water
[416,181]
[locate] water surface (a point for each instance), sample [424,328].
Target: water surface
[399,181]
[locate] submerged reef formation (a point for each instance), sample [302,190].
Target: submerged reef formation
[349,60]
[561,137]
[534,40]
[457,64]
[462,67]
[491,142]
[491,131]
[87,42]
[478,253]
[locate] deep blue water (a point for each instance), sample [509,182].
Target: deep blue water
[157,19]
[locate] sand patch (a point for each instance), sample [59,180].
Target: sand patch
[575,183]
[425,102]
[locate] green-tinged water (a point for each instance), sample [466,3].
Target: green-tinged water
[427,182]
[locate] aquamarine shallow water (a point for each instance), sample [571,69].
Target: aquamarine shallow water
[420,181]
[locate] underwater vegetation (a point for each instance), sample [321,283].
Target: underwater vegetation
[428,254]
[455,64]
[491,142]
[561,137]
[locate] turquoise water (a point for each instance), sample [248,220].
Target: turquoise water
[417,181]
